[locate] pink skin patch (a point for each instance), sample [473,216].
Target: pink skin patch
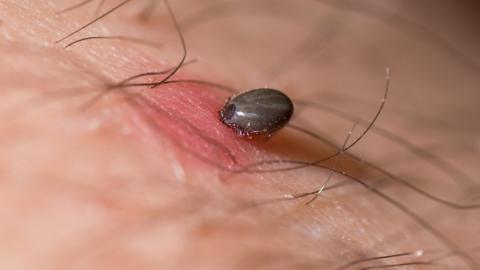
[187,113]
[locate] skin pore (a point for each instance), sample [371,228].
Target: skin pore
[132,179]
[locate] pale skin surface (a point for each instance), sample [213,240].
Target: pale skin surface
[79,191]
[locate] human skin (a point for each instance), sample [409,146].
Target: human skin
[120,184]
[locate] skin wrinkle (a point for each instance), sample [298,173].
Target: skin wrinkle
[92,197]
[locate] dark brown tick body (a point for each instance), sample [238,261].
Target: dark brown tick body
[257,112]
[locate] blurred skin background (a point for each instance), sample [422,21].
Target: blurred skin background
[100,187]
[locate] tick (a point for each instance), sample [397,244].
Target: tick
[260,111]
